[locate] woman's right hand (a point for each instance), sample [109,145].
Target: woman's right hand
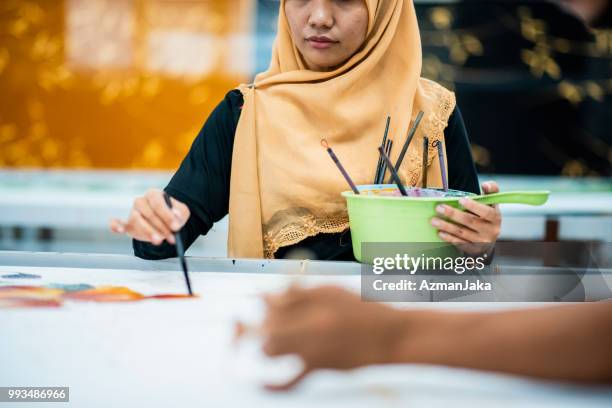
[151,220]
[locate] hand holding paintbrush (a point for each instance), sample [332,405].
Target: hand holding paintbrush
[155,218]
[180,249]
[150,219]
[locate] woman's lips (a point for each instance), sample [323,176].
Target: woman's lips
[320,43]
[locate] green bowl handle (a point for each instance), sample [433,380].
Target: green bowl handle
[514,197]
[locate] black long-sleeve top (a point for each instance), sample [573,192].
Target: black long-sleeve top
[202,182]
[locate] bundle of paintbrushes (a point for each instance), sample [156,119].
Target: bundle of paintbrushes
[384,161]
[385,149]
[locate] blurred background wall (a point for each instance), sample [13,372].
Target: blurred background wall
[128,83]
[534,84]
[101,99]
[115,83]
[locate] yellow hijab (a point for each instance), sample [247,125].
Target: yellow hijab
[284,187]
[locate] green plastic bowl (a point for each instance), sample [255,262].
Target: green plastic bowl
[396,219]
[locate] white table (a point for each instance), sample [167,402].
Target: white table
[179,352]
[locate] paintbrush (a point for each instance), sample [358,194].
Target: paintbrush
[425,154]
[394,174]
[438,144]
[180,250]
[385,165]
[380,159]
[409,137]
[339,165]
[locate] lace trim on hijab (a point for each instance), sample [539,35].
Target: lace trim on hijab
[433,127]
[297,225]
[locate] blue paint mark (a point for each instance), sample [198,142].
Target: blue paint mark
[74,287]
[21,276]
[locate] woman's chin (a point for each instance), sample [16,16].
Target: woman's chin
[320,64]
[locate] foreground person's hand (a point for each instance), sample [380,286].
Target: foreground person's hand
[475,229]
[332,328]
[151,220]
[329,327]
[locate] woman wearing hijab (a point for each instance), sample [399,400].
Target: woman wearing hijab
[339,68]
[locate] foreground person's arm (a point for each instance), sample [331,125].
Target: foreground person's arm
[570,342]
[329,327]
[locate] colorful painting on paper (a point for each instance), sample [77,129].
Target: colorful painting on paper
[24,296]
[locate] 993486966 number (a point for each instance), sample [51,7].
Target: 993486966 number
[34,394]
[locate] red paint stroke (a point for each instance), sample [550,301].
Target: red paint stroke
[29,296]
[17,303]
[172,296]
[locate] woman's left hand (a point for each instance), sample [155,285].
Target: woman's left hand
[470,229]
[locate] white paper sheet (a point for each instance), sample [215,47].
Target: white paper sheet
[160,353]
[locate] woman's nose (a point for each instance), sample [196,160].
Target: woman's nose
[321,14]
